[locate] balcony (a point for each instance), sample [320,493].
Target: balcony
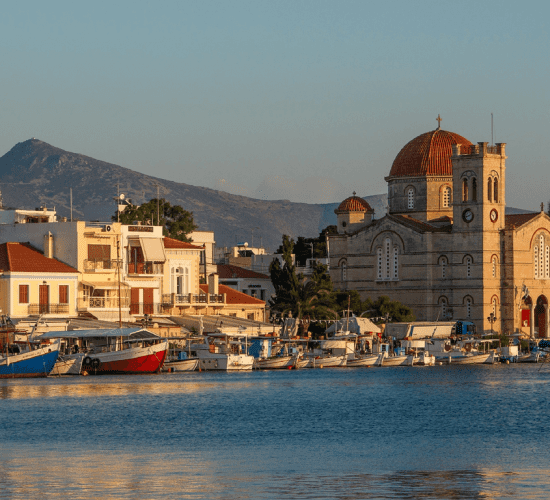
[147,268]
[102,303]
[35,309]
[174,300]
[101,266]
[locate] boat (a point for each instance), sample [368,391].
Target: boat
[35,360]
[423,358]
[181,365]
[396,360]
[117,350]
[367,360]
[224,352]
[327,361]
[275,362]
[471,359]
[300,363]
[68,364]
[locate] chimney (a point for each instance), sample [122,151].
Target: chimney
[213,288]
[48,245]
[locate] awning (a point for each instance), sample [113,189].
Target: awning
[105,285]
[153,250]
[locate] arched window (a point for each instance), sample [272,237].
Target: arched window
[388,261]
[344,271]
[387,255]
[490,189]
[179,280]
[465,190]
[474,189]
[495,305]
[541,257]
[494,262]
[495,184]
[446,197]
[468,307]
[379,255]
[536,261]
[444,307]
[443,263]
[410,198]
[468,267]
[395,263]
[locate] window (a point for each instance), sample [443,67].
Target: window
[387,246]
[494,311]
[63,294]
[388,261]
[443,264]
[446,197]
[468,267]
[541,259]
[468,307]
[495,197]
[23,294]
[395,263]
[344,271]
[444,307]
[474,189]
[179,280]
[490,189]
[100,253]
[465,190]
[494,262]
[410,198]
[379,255]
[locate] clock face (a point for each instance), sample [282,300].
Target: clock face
[468,215]
[494,215]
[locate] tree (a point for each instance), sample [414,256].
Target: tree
[393,310]
[177,223]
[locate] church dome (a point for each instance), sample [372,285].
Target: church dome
[354,204]
[428,154]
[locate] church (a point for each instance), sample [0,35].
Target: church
[446,248]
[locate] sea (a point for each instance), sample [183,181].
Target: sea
[456,432]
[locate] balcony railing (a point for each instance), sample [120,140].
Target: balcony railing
[48,309]
[173,299]
[145,268]
[101,265]
[102,302]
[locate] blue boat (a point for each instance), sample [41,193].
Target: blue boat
[37,362]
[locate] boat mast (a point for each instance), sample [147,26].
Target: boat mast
[118,279]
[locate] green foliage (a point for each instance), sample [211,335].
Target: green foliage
[305,248]
[383,306]
[177,223]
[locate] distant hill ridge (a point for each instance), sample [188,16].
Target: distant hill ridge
[35,173]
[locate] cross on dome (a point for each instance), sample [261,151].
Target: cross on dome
[438,120]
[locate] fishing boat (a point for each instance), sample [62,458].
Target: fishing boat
[68,364]
[17,361]
[275,362]
[367,360]
[396,360]
[117,350]
[224,352]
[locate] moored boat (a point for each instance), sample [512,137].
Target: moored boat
[181,365]
[368,360]
[224,352]
[29,362]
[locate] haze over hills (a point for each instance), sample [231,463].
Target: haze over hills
[34,173]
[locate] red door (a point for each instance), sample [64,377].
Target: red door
[44,299]
[134,301]
[148,300]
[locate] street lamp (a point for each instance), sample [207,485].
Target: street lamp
[491,319]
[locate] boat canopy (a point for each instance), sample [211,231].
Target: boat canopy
[134,333]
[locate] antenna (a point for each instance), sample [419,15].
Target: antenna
[492,139]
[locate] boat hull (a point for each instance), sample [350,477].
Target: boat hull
[274,363]
[37,363]
[68,365]
[397,361]
[128,361]
[328,362]
[474,359]
[225,362]
[366,361]
[185,365]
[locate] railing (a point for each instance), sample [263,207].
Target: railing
[100,265]
[474,149]
[102,302]
[216,298]
[173,299]
[48,309]
[145,268]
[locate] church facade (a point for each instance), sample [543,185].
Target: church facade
[446,248]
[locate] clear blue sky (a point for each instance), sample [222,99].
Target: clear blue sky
[306,100]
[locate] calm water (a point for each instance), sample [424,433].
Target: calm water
[441,432]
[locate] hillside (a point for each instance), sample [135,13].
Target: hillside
[34,173]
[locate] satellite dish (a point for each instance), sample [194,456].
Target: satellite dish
[121,196]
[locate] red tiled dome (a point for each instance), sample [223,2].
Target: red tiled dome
[427,154]
[354,204]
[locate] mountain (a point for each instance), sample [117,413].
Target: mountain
[34,173]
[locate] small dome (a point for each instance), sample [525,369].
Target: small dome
[354,204]
[427,154]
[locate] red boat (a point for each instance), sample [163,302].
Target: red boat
[115,351]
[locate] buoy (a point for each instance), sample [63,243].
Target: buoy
[507,361]
[440,363]
[290,367]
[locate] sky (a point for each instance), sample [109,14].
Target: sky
[300,100]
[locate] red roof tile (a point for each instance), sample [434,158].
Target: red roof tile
[173,243]
[427,154]
[227,271]
[354,204]
[24,258]
[512,221]
[232,296]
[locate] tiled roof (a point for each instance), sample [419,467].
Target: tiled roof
[427,154]
[422,227]
[227,271]
[232,296]
[24,258]
[516,220]
[354,204]
[173,243]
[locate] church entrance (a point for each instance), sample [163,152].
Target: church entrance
[540,316]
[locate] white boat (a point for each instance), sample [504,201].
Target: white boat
[369,360]
[224,352]
[181,365]
[396,361]
[276,362]
[68,364]
[532,357]
[326,361]
[301,363]
[423,359]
